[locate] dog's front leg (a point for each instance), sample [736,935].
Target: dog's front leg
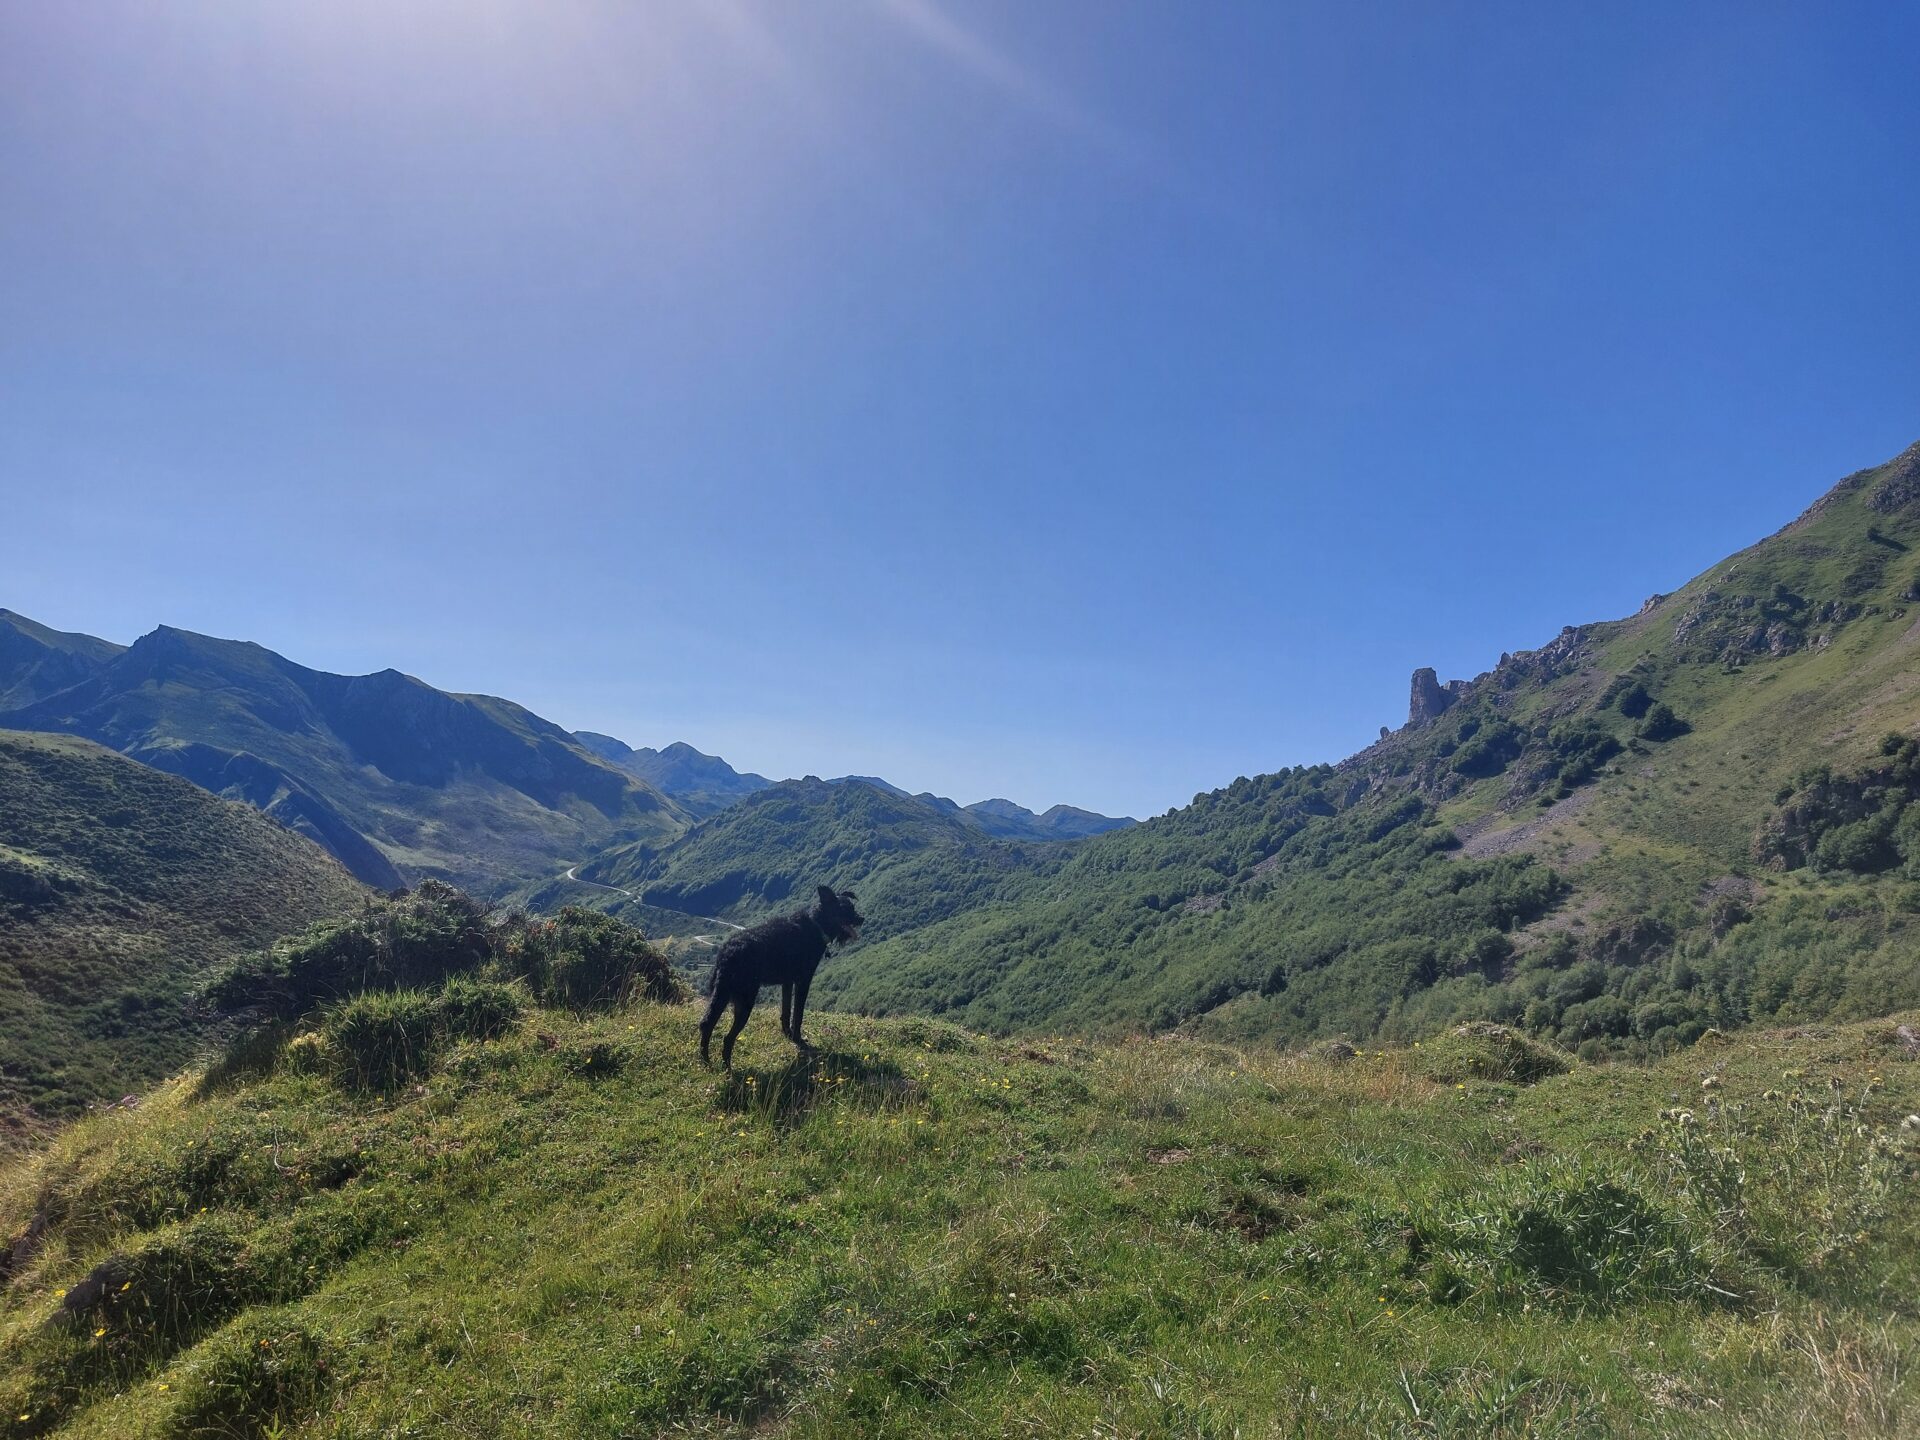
[786,1009]
[799,1011]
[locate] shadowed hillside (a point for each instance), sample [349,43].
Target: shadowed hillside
[399,780]
[119,886]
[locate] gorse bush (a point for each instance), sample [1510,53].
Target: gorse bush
[413,974]
[469,1009]
[1482,1051]
[581,959]
[419,938]
[1661,723]
[382,1039]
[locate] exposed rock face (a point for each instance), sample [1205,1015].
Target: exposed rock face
[1430,699]
[1900,486]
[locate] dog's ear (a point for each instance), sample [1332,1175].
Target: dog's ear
[826,897]
[848,896]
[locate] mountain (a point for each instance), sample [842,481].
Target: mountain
[701,783]
[36,662]
[399,780]
[910,861]
[118,886]
[1696,816]
[572,1229]
[1060,822]
[1003,818]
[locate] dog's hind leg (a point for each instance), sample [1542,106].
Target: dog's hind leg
[786,1009]
[742,1008]
[712,1018]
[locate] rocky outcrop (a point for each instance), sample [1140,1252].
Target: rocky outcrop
[1430,699]
[1899,487]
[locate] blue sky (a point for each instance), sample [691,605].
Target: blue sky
[1078,401]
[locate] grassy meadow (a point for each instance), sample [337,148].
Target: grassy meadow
[573,1229]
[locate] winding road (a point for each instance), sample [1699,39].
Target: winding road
[639,899]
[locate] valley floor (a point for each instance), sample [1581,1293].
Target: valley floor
[577,1231]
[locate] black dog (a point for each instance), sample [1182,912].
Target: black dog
[783,952]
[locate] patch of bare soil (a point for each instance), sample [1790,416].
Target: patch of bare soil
[1481,841]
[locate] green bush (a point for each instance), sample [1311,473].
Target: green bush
[469,1009]
[1489,751]
[583,960]
[382,1039]
[1634,701]
[418,938]
[1662,724]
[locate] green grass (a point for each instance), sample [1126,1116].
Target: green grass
[575,1229]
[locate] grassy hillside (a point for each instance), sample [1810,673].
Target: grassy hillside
[397,779]
[924,1233]
[118,887]
[1573,841]
[911,862]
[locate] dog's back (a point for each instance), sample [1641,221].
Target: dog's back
[774,952]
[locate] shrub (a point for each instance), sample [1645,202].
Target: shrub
[1479,1050]
[469,1009]
[1634,701]
[1661,723]
[381,1040]
[418,938]
[1795,1180]
[1490,750]
[585,960]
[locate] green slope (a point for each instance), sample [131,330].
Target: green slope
[119,886]
[1609,891]
[911,862]
[399,780]
[575,1230]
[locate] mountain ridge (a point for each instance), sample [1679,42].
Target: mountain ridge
[398,779]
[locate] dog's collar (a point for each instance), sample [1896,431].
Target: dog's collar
[825,939]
